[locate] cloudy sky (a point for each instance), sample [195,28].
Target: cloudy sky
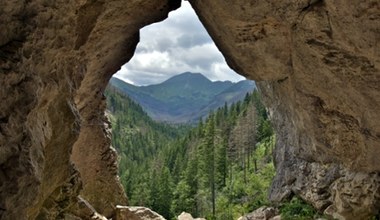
[176,45]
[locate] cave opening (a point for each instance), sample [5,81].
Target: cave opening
[176,92]
[318,72]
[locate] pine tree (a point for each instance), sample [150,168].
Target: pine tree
[164,199]
[208,160]
[183,199]
[221,161]
[154,191]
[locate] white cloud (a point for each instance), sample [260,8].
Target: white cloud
[178,44]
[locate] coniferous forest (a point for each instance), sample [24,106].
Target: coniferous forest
[220,168]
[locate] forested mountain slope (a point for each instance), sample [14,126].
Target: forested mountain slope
[219,169]
[185,97]
[136,136]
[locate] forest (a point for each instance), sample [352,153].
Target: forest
[220,168]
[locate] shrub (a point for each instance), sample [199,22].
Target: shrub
[297,209]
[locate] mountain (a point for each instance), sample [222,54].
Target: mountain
[231,95]
[185,97]
[136,137]
[181,168]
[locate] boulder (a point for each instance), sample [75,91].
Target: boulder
[136,213]
[262,213]
[188,216]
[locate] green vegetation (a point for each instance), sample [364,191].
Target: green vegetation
[220,169]
[185,97]
[296,209]
[137,138]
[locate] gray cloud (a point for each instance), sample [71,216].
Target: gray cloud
[146,78]
[176,45]
[193,39]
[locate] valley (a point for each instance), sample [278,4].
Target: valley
[184,98]
[219,168]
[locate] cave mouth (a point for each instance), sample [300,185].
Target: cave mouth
[178,47]
[55,76]
[175,51]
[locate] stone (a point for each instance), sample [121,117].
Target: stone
[262,213]
[55,61]
[185,216]
[82,209]
[311,181]
[355,196]
[69,216]
[310,49]
[136,213]
[188,216]
[317,68]
[97,216]
[316,64]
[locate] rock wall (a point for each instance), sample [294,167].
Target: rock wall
[317,63]
[56,58]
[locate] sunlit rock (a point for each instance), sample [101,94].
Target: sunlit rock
[262,213]
[136,213]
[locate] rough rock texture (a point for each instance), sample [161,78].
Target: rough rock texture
[263,213]
[136,213]
[38,124]
[107,36]
[81,209]
[318,66]
[355,195]
[56,58]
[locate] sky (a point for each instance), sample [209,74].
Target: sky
[176,45]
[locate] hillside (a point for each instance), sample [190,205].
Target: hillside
[170,168]
[185,97]
[135,136]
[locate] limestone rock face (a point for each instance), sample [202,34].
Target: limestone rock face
[56,58]
[317,63]
[322,72]
[311,181]
[355,196]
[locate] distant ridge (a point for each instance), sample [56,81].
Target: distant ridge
[184,98]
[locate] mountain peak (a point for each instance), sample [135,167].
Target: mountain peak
[190,74]
[188,77]
[184,97]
